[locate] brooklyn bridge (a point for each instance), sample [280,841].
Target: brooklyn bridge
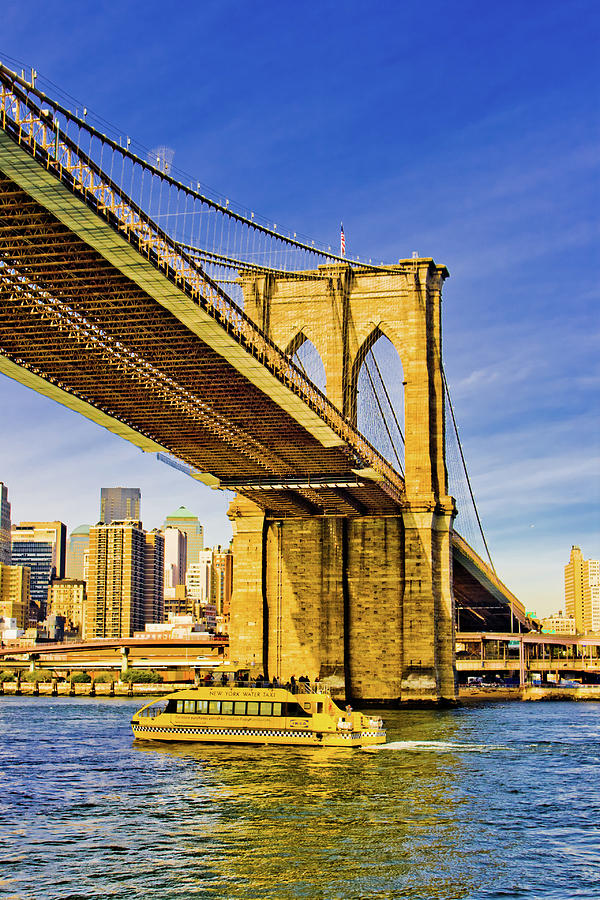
[193,328]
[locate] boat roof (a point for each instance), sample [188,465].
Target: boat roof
[229,692]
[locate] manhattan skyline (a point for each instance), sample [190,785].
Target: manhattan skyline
[477,151]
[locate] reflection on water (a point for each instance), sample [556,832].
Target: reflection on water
[478,803]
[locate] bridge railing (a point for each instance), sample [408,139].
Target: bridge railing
[54,136]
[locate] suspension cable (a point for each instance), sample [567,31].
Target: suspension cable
[296,358]
[382,414]
[464,464]
[387,396]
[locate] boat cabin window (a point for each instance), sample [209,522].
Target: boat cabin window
[234,707]
[294,709]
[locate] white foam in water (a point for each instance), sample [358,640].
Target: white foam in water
[435,747]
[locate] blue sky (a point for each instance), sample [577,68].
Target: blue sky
[464,131]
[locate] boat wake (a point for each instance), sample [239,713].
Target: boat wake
[435,747]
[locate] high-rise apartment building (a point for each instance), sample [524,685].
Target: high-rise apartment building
[582,591]
[41,546]
[189,525]
[154,567]
[78,543]
[14,594]
[5,548]
[119,503]
[125,579]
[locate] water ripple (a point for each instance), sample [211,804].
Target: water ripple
[497,801]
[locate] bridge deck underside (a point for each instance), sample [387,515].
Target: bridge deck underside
[101,338]
[478,606]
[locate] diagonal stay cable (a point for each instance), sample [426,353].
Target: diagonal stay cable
[382,414]
[464,464]
[387,395]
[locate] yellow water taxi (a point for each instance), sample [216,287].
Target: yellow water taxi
[256,715]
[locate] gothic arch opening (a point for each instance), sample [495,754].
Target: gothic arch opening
[377,397]
[308,359]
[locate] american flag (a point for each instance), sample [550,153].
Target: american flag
[342,241]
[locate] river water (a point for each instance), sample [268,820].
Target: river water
[496,801]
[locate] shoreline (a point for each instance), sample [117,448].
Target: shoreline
[467,696]
[471,696]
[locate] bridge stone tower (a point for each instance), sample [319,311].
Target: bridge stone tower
[364,598]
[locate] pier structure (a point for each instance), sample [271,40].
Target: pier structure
[366,595]
[526,657]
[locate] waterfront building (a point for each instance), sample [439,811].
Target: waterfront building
[177,627]
[582,591]
[9,630]
[175,557]
[119,503]
[558,624]
[188,524]
[41,546]
[125,579]
[222,579]
[15,594]
[66,598]
[79,542]
[5,549]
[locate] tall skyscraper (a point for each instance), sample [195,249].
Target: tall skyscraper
[4,525]
[125,579]
[78,543]
[175,558]
[119,503]
[41,546]
[582,591]
[190,525]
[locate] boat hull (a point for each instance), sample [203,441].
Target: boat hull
[282,736]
